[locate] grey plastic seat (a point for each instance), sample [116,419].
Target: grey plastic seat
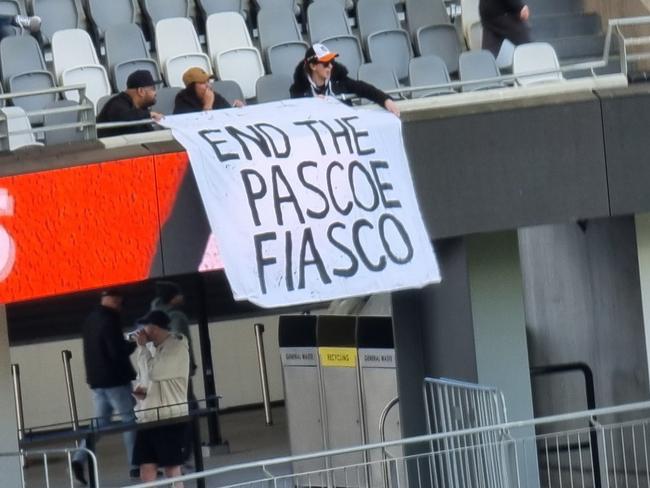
[18,128]
[378,75]
[10,7]
[228,89]
[63,136]
[126,51]
[375,16]
[157,10]
[441,41]
[273,87]
[429,70]
[349,51]
[103,14]
[276,25]
[327,19]
[23,69]
[420,13]
[165,100]
[19,54]
[536,57]
[291,4]
[56,15]
[209,7]
[478,65]
[284,57]
[101,102]
[392,48]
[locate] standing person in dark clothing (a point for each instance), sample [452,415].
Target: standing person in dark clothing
[198,94]
[319,75]
[132,104]
[8,24]
[109,373]
[504,19]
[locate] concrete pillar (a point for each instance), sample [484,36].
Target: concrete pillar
[583,303]
[499,319]
[10,468]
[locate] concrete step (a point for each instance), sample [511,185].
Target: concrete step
[612,67]
[555,7]
[577,47]
[569,25]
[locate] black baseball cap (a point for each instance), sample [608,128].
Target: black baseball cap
[141,78]
[155,317]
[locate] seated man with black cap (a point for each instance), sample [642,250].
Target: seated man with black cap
[319,75]
[132,104]
[162,391]
[199,95]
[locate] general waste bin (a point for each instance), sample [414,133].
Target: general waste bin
[302,390]
[378,375]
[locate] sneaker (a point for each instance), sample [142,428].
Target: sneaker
[32,24]
[78,472]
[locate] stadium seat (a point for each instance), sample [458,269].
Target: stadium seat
[17,121]
[376,15]
[157,10]
[165,100]
[536,56]
[63,136]
[441,41]
[273,87]
[126,51]
[392,48]
[290,4]
[229,90]
[101,102]
[178,49]
[379,75]
[349,51]
[284,57]
[23,69]
[56,15]
[478,65]
[420,13]
[474,35]
[470,17]
[209,7]
[327,19]
[429,70]
[104,14]
[10,7]
[225,31]
[76,62]
[242,65]
[276,25]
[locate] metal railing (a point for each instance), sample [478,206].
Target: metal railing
[623,432]
[85,121]
[51,470]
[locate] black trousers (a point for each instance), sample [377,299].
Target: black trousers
[506,26]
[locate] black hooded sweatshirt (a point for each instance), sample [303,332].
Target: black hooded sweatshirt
[341,84]
[186,101]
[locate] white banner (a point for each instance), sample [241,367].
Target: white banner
[309,200]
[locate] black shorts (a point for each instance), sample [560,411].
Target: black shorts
[161,445]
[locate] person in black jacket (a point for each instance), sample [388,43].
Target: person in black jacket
[132,104]
[503,19]
[198,94]
[319,75]
[109,373]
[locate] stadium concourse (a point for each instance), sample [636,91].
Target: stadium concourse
[530,177]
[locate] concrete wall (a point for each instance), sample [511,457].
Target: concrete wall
[233,353]
[583,303]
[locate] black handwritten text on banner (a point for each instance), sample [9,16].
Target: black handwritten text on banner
[309,200]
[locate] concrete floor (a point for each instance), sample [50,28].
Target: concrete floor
[248,436]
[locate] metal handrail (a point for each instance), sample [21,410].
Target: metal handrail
[422,439]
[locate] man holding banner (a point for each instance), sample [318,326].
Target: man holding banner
[319,75]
